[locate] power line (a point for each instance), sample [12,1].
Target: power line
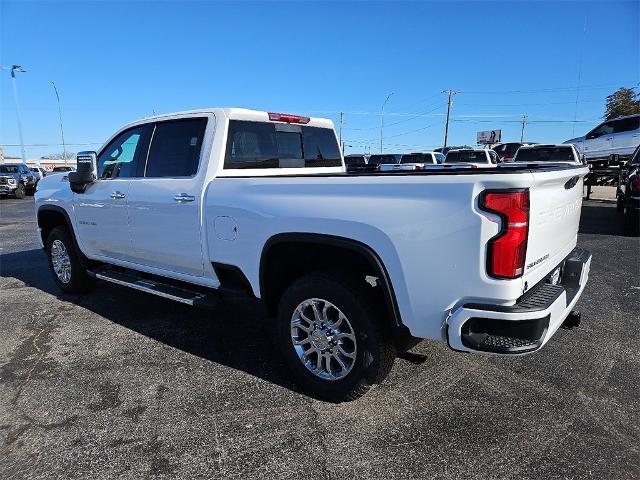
[536,90]
[417,114]
[416,130]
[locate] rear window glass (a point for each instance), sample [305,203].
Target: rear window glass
[416,158]
[545,154]
[263,145]
[354,160]
[378,159]
[465,157]
[627,124]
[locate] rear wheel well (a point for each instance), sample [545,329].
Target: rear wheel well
[285,260]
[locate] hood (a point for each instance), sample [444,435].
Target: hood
[575,140]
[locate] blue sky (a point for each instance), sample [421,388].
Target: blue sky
[114,62]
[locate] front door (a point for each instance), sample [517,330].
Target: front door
[165,205]
[101,211]
[598,142]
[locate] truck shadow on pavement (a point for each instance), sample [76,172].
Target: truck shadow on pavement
[601,218]
[236,334]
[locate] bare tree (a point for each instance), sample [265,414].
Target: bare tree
[59,156]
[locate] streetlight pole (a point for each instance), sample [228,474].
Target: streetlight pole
[64,147]
[382,123]
[14,69]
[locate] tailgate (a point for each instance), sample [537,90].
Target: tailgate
[555,203]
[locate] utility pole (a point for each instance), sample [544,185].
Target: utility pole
[382,123]
[64,147]
[14,69]
[524,121]
[341,121]
[451,93]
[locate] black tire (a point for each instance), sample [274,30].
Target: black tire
[375,352]
[631,222]
[30,192]
[79,281]
[20,191]
[619,202]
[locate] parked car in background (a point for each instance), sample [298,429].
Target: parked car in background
[413,161]
[386,158]
[63,169]
[619,136]
[39,172]
[355,159]
[445,150]
[16,179]
[506,151]
[628,192]
[479,157]
[358,163]
[423,158]
[564,153]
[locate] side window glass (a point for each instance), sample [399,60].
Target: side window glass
[117,160]
[604,129]
[175,148]
[627,124]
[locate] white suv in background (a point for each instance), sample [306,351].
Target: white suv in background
[619,136]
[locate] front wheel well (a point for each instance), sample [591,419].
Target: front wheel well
[48,220]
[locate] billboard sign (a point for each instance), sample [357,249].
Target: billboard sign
[489,137]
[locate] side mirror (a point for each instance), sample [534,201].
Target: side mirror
[86,171]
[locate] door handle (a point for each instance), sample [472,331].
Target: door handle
[117,195]
[183,197]
[610,138]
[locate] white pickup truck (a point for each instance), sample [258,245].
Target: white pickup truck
[351,267]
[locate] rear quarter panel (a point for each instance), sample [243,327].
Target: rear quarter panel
[427,229]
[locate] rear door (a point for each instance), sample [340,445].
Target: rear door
[165,205]
[101,211]
[626,135]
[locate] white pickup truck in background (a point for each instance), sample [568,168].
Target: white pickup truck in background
[351,267]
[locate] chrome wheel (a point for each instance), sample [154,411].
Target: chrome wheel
[60,261]
[323,339]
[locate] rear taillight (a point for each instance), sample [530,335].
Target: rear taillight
[286,117]
[506,251]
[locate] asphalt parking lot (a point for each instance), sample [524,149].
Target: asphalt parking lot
[119,384]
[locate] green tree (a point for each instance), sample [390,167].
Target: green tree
[624,101]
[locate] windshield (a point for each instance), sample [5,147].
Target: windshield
[466,156]
[635,160]
[507,149]
[378,159]
[9,169]
[545,154]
